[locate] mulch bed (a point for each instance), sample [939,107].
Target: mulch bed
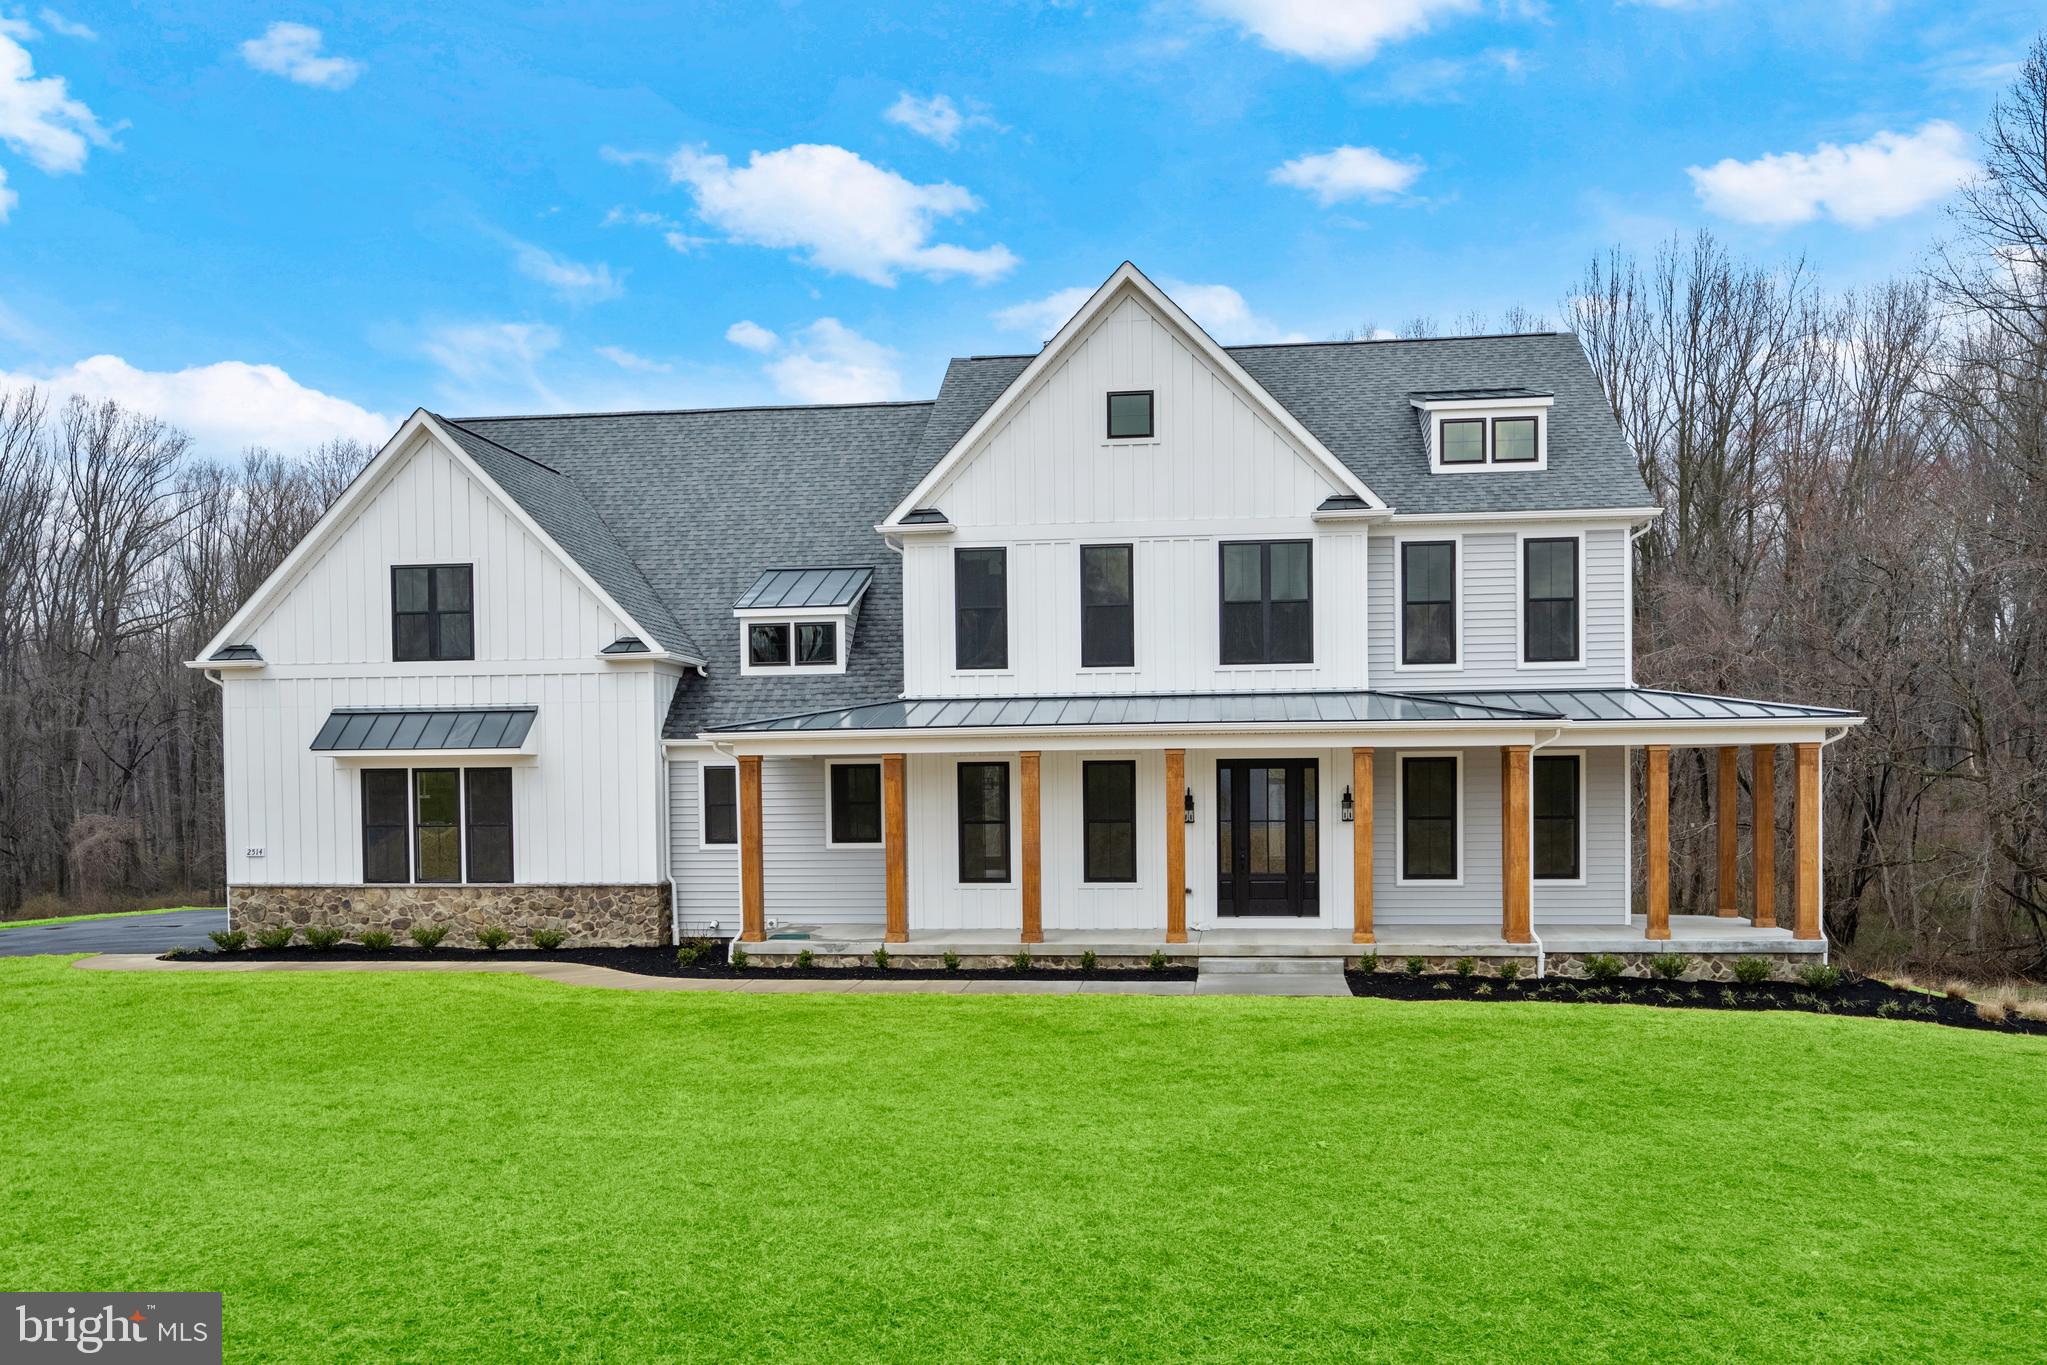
[661,962]
[1858,997]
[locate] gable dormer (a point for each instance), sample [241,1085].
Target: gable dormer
[1475,430]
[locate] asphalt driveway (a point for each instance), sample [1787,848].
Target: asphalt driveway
[116,934]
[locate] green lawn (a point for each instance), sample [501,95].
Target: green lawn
[101,914]
[434,1167]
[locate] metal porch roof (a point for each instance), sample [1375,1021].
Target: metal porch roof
[1591,705]
[1125,709]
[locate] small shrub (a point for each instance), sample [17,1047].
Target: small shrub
[1417,965]
[1991,1011]
[805,959]
[429,936]
[180,954]
[951,960]
[1751,971]
[740,959]
[229,940]
[1508,970]
[2032,1011]
[276,936]
[493,937]
[1888,1009]
[547,940]
[881,958]
[1369,963]
[1022,960]
[1955,989]
[1157,960]
[1821,976]
[322,937]
[687,955]
[1442,986]
[1466,966]
[1482,988]
[1087,960]
[1603,967]
[1669,966]
[376,940]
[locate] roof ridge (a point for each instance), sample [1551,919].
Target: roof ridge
[1393,341]
[689,412]
[507,449]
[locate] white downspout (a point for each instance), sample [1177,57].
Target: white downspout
[1541,952]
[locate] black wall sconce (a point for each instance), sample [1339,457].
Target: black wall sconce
[1350,809]
[1187,807]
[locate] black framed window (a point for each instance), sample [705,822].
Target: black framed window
[1463,440]
[1549,577]
[1108,813]
[1130,414]
[432,613]
[721,805]
[1514,440]
[487,823]
[767,644]
[386,825]
[980,583]
[1268,612]
[817,644]
[1108,635]
[1428,602]
[856,803]
[984,822]
[1428,818]
[437,825]
[1554,809]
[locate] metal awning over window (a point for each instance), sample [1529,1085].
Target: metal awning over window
[805,589]
[432,729]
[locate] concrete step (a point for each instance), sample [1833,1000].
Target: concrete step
[1212,965]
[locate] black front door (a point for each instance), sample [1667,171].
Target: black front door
[1265,836]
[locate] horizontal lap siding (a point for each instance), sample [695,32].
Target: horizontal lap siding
[1604,897]
[706,879]
[803,880]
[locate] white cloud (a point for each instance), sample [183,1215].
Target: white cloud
[1221,311]
[844,213]
[636,363]
[573,281]
[752,336]
[494,364]
[671,231]
[1449,80]
[223,407]
[38,116]
[8,198]
[1348,173]
[1861,184]
[937,118]
[1334,32]
[293,52]
[67,28]
[829,362]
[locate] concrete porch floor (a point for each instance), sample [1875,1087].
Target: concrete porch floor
[1689,934]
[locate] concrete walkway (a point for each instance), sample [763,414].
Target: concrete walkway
[575,974]
[115,934]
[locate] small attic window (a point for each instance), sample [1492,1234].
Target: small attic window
[1130,415]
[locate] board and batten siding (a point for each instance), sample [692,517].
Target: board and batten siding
[803,880]
[1491,611]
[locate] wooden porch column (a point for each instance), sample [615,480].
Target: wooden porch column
[753,925]
[1361,846]
[1657,837]
[1764,832]
[1805,822]
[896,853]
[1176,847]
[1727,803]
[1515,888]
[1033,883]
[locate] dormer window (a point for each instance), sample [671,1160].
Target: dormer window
[1514,440]
[773,646]
[1130,415]
[1481,429]
[1463,440]
[799,620]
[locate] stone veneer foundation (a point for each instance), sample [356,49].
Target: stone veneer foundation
[625,916]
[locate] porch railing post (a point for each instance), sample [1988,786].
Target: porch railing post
[1516,888]
[1656,837]
[1361,846]
[896,853]
[1727,801]
[753,925]
[1033,882]
[1763,830]
[1176,846]
[1806,831]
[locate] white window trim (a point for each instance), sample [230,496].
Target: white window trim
[830,842]
[412,823]
[1521,659]
[1584,786]
[952,619]
[1402,538]
[1400,818]
[703,824]
[843,637]
[1434,415]
[1013,884]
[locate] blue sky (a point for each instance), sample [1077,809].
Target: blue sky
[274,224]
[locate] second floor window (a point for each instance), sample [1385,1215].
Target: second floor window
[1549,576]
[783,644]
[431,613]
[1268,611]
[1107,630]
[1428,602]
[980,583]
